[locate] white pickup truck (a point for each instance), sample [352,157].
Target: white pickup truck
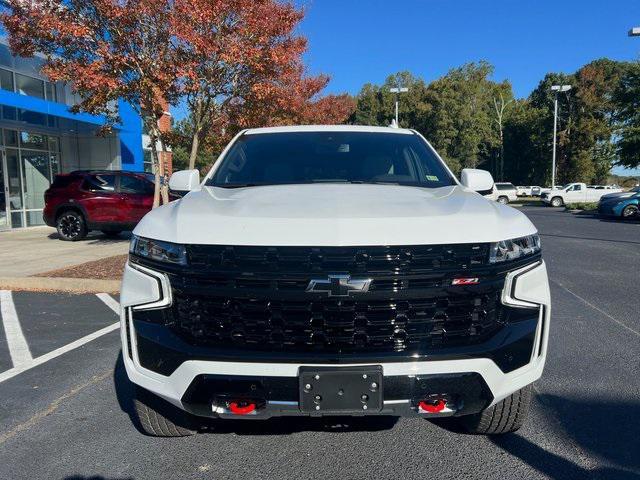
[575,193]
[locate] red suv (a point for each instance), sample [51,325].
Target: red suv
[106,200]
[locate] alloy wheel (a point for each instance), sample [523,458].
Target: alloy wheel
[70,225]
[630,211]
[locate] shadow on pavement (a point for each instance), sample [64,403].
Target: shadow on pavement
[274,426]
[97,238]
[604,431]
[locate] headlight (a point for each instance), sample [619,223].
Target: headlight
[514,249]
[158,250]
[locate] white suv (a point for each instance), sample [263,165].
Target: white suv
[333,270]
[503,192]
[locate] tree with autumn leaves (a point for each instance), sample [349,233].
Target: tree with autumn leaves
[241,66]
[236,63]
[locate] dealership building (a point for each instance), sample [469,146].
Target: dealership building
[40,137]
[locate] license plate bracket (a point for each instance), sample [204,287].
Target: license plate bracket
[341,390]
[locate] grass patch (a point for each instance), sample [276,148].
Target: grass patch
[584,206]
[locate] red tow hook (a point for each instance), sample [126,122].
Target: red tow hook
[432,406]
[241,408]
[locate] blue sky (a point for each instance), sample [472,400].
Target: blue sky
[360,41]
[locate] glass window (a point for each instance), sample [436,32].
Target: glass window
[34,118]
[13,174]
[29,65]
[51,91]
[148,164]
[55,164]
[100,183]
[34,218]
[6,58]
[9,113]
[54,144]
[36,177]
[6,80]
[337,157]
[131,184]
[33,140]
[16,219]
[29,86]
[10,138]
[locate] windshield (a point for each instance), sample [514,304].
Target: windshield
[330,157]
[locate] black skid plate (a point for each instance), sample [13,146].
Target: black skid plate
[341,391]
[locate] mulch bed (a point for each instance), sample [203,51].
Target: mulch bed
[109,268]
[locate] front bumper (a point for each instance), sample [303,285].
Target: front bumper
[192,379]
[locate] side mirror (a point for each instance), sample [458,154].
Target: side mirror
[185,181]
[476,180]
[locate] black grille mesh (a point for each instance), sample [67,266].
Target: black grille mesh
[254,298]
[334,326]
[373,260]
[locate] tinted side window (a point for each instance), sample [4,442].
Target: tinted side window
[130,184]
[63,181]
[100,183]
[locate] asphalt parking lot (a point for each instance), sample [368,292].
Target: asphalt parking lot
[65,402]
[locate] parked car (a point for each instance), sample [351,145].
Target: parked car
[536,191]
[333,270]
[523,191]
[575,193]
[548,189]
[106,200]
[503,192]
[623,204]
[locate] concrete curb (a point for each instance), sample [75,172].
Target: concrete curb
[59,284]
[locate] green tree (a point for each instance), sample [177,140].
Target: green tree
[627,99]
[460,119]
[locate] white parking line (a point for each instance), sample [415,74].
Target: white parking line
[18,369]
[109,302]
[589,304]
[18,347]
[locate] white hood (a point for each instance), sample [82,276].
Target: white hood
[333,215]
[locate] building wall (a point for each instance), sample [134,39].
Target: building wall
[28,110]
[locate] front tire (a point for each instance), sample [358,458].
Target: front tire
[630,211]
[159,418]
[71,226]
[505,416]
[556,202]
[503,200]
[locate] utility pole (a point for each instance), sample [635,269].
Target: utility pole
[398,91]
[557,89]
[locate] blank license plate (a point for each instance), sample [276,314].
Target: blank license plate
[341,390]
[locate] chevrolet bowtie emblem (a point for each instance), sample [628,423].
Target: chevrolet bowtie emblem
[339,285]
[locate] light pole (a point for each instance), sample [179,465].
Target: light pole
[557,89]
[398,91]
